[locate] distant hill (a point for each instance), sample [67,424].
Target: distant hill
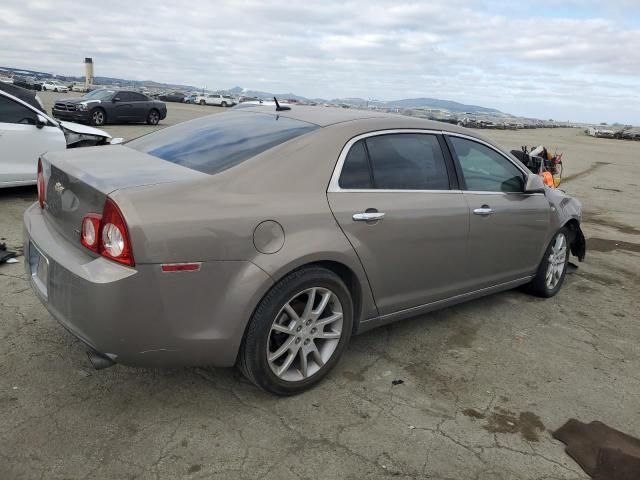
[436,103]
[454,107]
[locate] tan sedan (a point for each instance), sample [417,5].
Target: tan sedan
[265,238]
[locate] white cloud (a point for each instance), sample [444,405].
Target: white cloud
[572,59]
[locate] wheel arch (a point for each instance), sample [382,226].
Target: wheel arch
[577,241]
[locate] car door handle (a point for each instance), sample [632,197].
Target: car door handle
[367,216]
[484,211]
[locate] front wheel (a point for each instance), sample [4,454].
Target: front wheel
[153,117]
[553,267]
[298,332]
[224,104]
[202,102]
[98,117]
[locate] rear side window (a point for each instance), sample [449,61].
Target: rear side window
[217,142]
[407,161]
[403,161]
[14,112]
[355,171]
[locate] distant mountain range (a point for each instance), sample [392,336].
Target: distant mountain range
[454,107]
[406,103]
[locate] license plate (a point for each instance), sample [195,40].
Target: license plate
[39,266]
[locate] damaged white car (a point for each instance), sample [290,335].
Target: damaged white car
[26,132]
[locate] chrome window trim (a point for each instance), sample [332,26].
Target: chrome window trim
[334,185]
[482,192]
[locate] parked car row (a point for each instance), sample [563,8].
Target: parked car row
[217,99]
[614,131]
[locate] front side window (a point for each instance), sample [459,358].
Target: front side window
[214,143]
[484,169]
[14,112]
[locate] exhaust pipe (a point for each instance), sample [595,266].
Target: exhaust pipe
[99,361]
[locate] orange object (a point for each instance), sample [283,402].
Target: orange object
[547,178]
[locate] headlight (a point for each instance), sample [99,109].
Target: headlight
[82,107]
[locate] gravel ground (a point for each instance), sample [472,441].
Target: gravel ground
[469,392]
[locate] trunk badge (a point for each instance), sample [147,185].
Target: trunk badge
[59,188]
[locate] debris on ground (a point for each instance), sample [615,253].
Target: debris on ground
[397,382]
[6,255]
[603,452]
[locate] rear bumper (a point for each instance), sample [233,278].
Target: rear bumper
[142,316]
[76,116]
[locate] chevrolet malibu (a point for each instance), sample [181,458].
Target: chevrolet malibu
[265,238]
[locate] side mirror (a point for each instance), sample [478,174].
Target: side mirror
[534,184]
[115,99]
[116,141]
[40,121]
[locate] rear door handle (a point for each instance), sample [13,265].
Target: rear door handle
[484,211]
[367,216]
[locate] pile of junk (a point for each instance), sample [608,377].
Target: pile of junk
[542,162]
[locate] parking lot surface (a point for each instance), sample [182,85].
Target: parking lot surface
[469,392]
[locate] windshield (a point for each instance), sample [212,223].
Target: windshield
[218,142]
[99,94]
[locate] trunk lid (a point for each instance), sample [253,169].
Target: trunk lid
[78,181]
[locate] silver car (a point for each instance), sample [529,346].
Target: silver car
[266,238]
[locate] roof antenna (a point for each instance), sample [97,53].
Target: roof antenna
[278,107]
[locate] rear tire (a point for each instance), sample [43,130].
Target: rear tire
[298,332]
[553,267]
[98,117]
[202,102]
[153,117]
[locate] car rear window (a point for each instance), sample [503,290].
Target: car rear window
[218,142]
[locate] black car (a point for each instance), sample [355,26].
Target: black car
[173,97]
[110,106]
[29,83]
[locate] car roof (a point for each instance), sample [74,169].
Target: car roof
[327,116]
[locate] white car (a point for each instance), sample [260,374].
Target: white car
[26,133]
[54,86]
[78,87]
[216,99]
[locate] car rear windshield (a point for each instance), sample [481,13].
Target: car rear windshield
[218,142]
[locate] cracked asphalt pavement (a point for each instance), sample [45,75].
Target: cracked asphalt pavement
[469,392]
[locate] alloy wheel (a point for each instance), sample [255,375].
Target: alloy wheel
[556,261]
[305,334]
[98,117]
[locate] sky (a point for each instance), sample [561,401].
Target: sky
[575,60]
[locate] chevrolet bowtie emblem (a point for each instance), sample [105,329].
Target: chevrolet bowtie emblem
[59,188]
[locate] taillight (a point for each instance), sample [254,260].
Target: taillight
[107,234]
[40,183]
[90,231]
